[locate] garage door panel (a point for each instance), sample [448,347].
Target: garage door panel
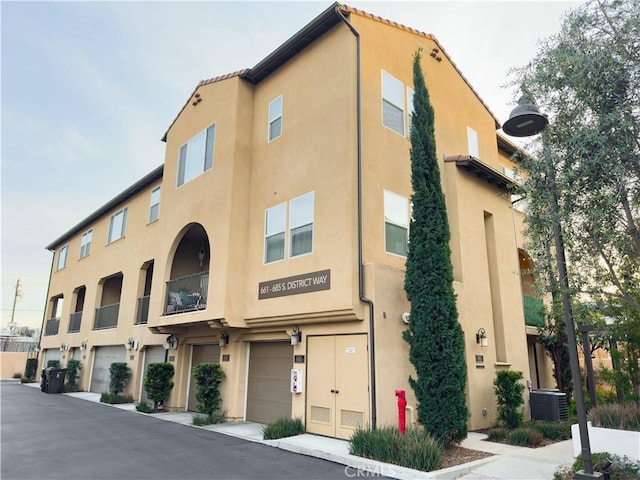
[268,395]
[103,357]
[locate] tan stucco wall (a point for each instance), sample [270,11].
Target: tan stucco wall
[12,363]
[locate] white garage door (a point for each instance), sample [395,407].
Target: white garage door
[200,354]
[50,354]
[103,357]
[268,395]
[153,354]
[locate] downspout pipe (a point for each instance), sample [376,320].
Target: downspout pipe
[363,298]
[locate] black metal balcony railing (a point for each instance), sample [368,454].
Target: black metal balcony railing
[106,317]
[142,313]
[186,294]
[74,322]
[533,311]
[51,328]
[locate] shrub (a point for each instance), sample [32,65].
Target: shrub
[30,369]
[508,391]
[415,449]
[53,363]
[620,469]
[527,437]
[114,398]
[144,407]
[560,430]
[73,373]
[620,416]
[497,434]
[157,382]
[283,427]
[210,419]
[208,378]
[120,373]
[17,375]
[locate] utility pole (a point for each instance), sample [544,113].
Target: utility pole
[17,294]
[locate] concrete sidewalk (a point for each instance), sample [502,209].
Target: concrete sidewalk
[508,462]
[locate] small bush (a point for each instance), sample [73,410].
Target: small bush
[497,434]
[526,437]
[73,373]
[144,407]
[415,449]
[556,431]
[25,380]
[30,369]
[214,418]
[508,390]
[53,363]
[620,416]
[157,382]
[17,375]
[119,374]
[115,399]
[283,427]
[620,469]
[208,378]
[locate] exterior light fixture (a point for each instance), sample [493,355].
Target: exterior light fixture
[171,343]
[525,119]
[296,336]
[83,345]
[131,344]
[224,339]
[481,338]
[64,347]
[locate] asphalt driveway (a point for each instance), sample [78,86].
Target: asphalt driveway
[47,436]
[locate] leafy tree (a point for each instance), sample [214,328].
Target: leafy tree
[587,79]
[157,382]
[435,338]
[73,373]
[208,377]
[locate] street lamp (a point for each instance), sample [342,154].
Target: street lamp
[526,120]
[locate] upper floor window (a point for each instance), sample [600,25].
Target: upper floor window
[117,225]
[392,103]
[154,204]
[396,223]
[410,109]
[275,118]
[62,257]
[196,156]
[300,228]
[85,243]
[472,142]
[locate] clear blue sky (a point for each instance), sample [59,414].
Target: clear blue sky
[89,88]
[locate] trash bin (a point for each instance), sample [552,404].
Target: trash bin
[55,380]
[43,380]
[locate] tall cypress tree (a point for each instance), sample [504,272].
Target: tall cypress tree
[435,338]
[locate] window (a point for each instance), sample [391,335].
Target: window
[472,142]
[118,225]
[62,257]
[196,156]
[392,103]
[301,210]
[154,205]
[410,109]
[275,225]
[275,118]
[85,243]
[301,225]
[396,223]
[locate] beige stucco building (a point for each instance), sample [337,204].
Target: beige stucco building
[282,210]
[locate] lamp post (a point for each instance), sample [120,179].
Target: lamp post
[524,121]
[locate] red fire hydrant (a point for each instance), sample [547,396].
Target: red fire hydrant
[402,403]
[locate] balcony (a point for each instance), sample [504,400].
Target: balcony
[74,322]
[106,317]
[142,312]
[52,326]
[533,311]
[187,294]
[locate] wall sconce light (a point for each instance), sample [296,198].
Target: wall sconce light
[224,339]
[64,347]
[481,338]
[171,343]
[296,336]
[83,345]
[131,344]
